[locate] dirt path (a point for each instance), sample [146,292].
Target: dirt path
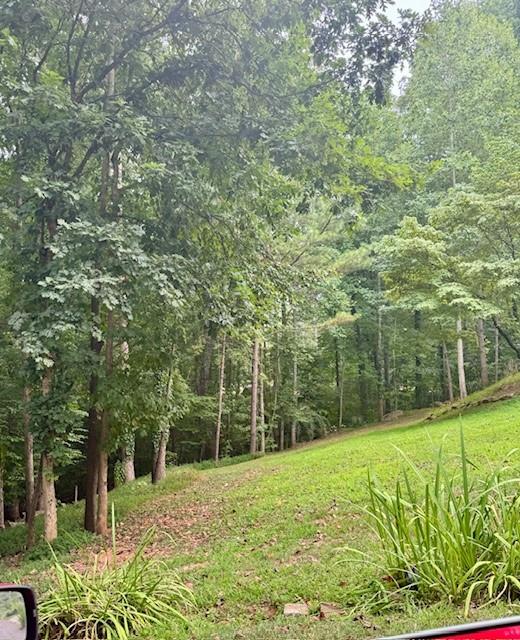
[184,521]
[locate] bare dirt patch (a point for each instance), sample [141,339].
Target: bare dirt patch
[183,522]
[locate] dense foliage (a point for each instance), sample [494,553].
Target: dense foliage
[222,233]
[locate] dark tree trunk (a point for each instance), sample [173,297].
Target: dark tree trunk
[460,361]
[481,337]
[447,372]
[497,353]
[362,383]
[380,362]
[419,396]
[2,505]
[222,372]
[30,503]
[294,421]
[205,365]
[93,425]
[261,398]
[104,433]
[254,397]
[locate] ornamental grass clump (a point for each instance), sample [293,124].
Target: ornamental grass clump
[456,537]
[114,603]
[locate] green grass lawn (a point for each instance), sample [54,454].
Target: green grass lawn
[255,536]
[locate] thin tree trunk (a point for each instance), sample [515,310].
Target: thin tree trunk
[109,207]
[294,421]
[29,462]
[507,338]
[102,498]
[2,505]
[104,434]
[222,372]
[418,362]
[447,371]
[481,336]
[161,445]
[28,448]
[261,399]
[281,436]
[50,514]
[460,361]
[338,365]
[96,491]
[254,396]
[128,448]
[277,378]
[380,357]
[497,352]
[341,393]
[205,365]
[362,383]
[93,425]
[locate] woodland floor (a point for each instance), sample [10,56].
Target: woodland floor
[253,537]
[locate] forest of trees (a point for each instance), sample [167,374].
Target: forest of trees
[222,233]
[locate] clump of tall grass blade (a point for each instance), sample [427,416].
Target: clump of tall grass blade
[456,537]
[113,603]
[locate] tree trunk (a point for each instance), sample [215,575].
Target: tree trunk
[447,372]
[341,393]
[12,510]
[294,421]
[261,399]
[104,435]
[205,365]
[128,447]
[380,357]
[481,336]
[161,444]
[159,462]
[339,381]
[497,353]
[460,361]
[362,383]
[30,504]
[254,396]
[2,505]
[418,362]
[102,476]
[222,372]
[93,424]
[50,514]
[127,461]
[281,436]
[273,419]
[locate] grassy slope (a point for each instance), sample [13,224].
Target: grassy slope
[277,525]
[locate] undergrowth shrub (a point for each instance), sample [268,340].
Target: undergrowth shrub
[456,537]
[113,603]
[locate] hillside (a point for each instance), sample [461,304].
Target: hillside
[253,537]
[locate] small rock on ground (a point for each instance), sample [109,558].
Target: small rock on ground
[296,609]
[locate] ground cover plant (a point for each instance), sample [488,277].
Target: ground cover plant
[113,602]
[454,536]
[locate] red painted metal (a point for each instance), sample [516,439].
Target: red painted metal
[487,634]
